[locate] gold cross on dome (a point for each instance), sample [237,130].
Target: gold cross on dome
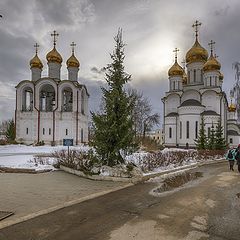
[36,47]
[211,43]
[175,51]
[54,35]
[196,25]
[73,44]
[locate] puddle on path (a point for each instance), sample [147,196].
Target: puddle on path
[177,181]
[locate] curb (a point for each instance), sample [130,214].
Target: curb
[60,206]
[95,195]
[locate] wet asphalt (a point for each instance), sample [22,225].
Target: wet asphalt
[207,207]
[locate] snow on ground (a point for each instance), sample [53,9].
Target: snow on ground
[22,156]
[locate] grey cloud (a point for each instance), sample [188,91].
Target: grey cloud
[97,70]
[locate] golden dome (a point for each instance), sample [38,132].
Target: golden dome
[36,62]
[184,81]
[197,53]
[232,107]
[212,64]
[175,70]
[54,56]
[73,62]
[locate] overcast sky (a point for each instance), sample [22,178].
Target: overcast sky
[151,30]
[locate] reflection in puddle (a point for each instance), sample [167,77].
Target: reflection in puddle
[177,181]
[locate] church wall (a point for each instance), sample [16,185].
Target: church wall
[190,94]
[172,103]
[210,100]
[170,122]
[233,141]
[197,66]
[26,127]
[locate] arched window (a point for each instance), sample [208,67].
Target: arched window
[67,100]
[27,99]
[187,129]
[170,132]
[47,98]
[83,102]
[210,81]
[194,75]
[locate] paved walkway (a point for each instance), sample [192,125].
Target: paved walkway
[25,194]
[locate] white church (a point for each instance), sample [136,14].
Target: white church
[51,109]
[195,93]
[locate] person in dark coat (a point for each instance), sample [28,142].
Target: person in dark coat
[237,157]
[230,156]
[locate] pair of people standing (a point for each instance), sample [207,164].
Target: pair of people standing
[232,155]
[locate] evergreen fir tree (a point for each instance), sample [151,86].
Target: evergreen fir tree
[10,132]
[201,141]
[211,139]
[114,134]
[220,142]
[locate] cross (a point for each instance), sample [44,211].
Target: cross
[176,50]
[215,55]
[73,44]
[196,25]
[36,46]
[211,45]
[54,35]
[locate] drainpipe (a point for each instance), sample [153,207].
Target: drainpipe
[176,132]
[15,126]
[77,121]
[38,137]
[54,110]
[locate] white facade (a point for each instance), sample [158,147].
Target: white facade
[50,109]
[196,95]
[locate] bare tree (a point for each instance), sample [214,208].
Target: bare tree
[144,119]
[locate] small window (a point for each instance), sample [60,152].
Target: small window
[43,131]
[27,131]
[66,132]
[209,131]
[49,131]
[194,75]
[180,130]
[196,129]
[231,140]
[187,126]
[170,132]
[210,81]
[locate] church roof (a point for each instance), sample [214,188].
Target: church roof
[232,133]
[172,114]
[210,112]
[191,102]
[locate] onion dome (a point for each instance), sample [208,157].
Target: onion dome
[175,70]
[212,64]
[73,62]
[54,56]
[35,62]
[197,53]
[232,107]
